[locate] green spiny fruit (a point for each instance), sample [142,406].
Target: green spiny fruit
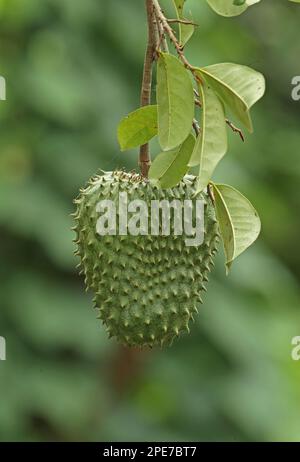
[147,288]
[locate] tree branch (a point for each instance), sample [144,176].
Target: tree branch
[182,21]
[196,127]
[169,31]
[144,159]
[236,129]
[228,122]
[162,41]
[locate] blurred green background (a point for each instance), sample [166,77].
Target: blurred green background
[73,69]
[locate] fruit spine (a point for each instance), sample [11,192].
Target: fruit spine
[147,288]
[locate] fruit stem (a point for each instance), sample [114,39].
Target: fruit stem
[145,159]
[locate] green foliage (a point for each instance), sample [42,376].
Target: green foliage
[138,128]
[232,379]
[221,88]
[230,7]
[169,167]
[227,7]
[234,7]
[175,99]
[239,87]
[211,144]
[238,220]
[186,31]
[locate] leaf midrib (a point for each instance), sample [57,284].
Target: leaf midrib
[226,86]
[169,101]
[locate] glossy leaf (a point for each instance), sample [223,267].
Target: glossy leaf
[239,222]
[211,144]
[175,98]
[169,167]
[239,87]
[138,127]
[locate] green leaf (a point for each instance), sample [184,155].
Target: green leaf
[170,167]
[251,2]
[229,8]
[185,30]
[226,7]
[211,144]
[239,87]
[175,98]
[138,127]
[239,222]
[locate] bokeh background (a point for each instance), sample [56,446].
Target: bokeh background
[73,69]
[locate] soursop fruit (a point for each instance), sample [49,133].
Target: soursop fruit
[147,288]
